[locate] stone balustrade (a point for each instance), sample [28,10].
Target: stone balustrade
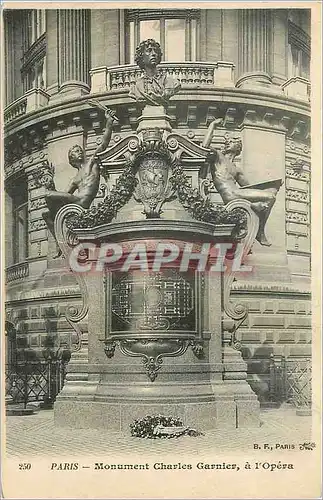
[297,88]
[194,74]
[15,109]
[17,272]
[187,73]
[32,100]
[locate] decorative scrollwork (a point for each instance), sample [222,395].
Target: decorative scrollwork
[152,366]
[44,175]
[67,240]
[237,311]
[236,344]
[152,351]
[133,145]
[197,347]
[204,187]
[172,144]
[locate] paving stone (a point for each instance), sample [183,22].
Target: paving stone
[37,435]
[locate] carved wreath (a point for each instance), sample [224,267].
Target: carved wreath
[198,207]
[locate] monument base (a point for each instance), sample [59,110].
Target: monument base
[195,394]
[224,413]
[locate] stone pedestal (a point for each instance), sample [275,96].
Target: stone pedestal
[224,74]
[36,98]
[153,117]
[99,79]
[161,328]
[135,365]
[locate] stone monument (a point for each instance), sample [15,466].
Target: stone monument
[162,328]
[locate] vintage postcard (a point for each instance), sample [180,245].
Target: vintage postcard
[161,250]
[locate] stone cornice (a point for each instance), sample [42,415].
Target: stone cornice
[151,228]
[142,14]
[47,293]
[245,98]
[272,288]
[192,109]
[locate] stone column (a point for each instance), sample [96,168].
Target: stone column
[52,51]
[8,55]
[13,53]
[74,53]
[255,46]
[212,39]
[280,45]
[229,35]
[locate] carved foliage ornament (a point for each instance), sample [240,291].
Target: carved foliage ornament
[202,209]
[153,350]
[154,174]
[44,175]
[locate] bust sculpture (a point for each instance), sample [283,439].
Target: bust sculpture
[153,88]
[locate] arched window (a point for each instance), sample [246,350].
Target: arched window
[177,32]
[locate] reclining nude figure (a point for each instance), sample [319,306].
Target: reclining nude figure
[229,180]
[85,183]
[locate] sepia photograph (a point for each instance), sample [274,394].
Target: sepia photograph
[161,250]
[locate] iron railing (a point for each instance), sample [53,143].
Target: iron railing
[30,381]
[290,380]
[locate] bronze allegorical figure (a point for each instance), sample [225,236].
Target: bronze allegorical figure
[84,186]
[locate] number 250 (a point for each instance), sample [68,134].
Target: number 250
[25,466]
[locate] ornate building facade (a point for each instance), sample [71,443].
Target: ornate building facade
[249,66]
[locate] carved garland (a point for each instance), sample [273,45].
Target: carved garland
[201,209]
[105,211]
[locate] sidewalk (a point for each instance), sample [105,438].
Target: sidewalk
[36,435]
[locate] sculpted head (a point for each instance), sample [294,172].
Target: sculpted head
[148,54]
[76,156]
[232,145]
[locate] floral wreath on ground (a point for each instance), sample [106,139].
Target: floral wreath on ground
[159,426]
